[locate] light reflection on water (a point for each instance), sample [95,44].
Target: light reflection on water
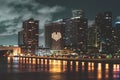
[87,70]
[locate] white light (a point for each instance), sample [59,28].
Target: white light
[75,17]
[56,36]
[117,22]
[31,22]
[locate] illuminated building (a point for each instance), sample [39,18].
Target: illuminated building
[12,50]
[29,36]
[74,33]
[104,23]
[117,35]
[54,35]
[93,43]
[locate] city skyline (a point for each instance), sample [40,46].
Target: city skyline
[13,13]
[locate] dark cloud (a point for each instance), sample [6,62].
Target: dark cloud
[14,12]
[9,27]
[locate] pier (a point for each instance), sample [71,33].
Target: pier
[38,59]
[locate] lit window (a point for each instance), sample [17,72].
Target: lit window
[85,22]
[30,22]
[106,17]
[81,42]
[80,28]
[30,30]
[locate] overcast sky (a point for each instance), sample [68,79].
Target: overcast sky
[14,12]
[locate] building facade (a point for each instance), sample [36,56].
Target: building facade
[117,35]
[54,36]
[29,36]
[76,34]
[20,38]
[93,42]
[73,31]
[105,32]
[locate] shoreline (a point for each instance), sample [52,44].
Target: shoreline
[102,60]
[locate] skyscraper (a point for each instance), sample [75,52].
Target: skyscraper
[93,46]
[54,35]
[105,30]
[73,33]
[76,34]
[20,38]
[30,36]
[20,41]
[117,35]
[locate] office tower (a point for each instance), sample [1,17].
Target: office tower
[30,35]
[20,38]
[93,46]
[105,30]
[74,33]
[20,41]
[54,35]
[117,35]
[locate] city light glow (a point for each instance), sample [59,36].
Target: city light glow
[56,36]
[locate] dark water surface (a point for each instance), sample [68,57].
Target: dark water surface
[13,69]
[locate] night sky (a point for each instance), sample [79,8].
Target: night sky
[14,12]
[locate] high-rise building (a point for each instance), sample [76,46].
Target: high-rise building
[54,35]
[29,36]
[74,33]
[104,23]
[117,35]
[93,46]
[20,38]
[21,42]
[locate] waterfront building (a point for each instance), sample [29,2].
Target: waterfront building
[73,33]
[29,36]
[117,35]
[9,50]
[93,42]
[54,35]
[21,42]
[20,38]
[76,34]
[105,31]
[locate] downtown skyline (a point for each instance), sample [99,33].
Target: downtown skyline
[13,13]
